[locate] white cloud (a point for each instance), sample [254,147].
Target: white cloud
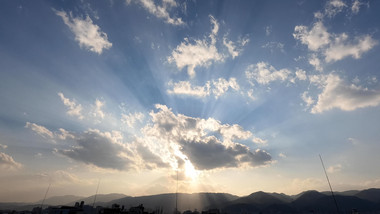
[315,38]
[7,162]
[307,99]
[185,88]
[40,130]
[335,168]
[47,134]
[318,80]
[316,62]
[63,135]
[263,73]
[333,47]
[86,32]
[348,97]
[355,6]
[235,49]
[162,12]
[200,53]
[341,48]
[97,110]
[74,109]
[282,155]
[301,74]
[231,48]
[259,140]
[221,86]
[131,119]
[216,87]
[334,7]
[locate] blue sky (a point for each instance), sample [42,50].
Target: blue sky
[235,96]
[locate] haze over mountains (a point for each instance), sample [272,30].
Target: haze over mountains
[363,201]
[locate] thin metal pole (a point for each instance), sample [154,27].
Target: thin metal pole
[43,201]
[97,188]
[176,196]
[328,180]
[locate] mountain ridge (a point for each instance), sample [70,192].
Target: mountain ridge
[364,200]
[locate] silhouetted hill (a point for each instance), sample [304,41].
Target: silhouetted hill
[370,195]
[61,200]
[193,201]
[366,201]
[307,198]
[319,202]
[345,193]
[101,199]
[259,199]
[260,202]
[282,197]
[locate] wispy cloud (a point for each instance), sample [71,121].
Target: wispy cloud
[74,108]
[41,130]
[88,34]
[222,85]
[7,162]
[186,88]
[334,7]
[273,46]
[97,111]
[131,118]
[264,73]
[161,11]
[214,87]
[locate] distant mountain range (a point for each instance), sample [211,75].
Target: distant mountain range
[365,201]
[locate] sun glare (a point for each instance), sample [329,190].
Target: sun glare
[190,171]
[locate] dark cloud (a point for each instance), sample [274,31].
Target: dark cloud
[100,149]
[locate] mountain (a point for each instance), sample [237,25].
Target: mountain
[366,201]
[307,198]
[345,193]
[193,201]
[370,195]
[282,197]
[259,202]
[61,200]
[101,199]
[259,199]
[319,202]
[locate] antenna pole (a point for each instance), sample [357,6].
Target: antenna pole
[97,188]
[176,196]
[43,201]
[328,181]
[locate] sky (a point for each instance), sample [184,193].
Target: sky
[226,96]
